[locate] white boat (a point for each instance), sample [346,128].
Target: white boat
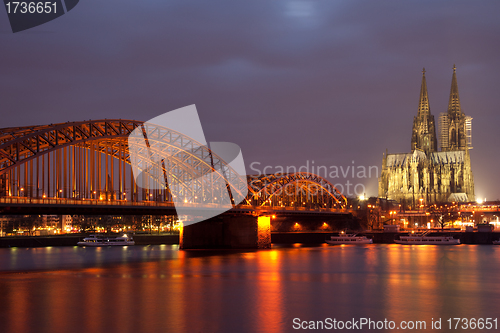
[496,242]
[422,239]
[349,239]
[97,240]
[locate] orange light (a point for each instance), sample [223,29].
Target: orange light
[274,216]
[180,227]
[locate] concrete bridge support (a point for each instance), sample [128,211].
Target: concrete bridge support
[228,232]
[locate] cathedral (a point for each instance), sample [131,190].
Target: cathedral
[427,175]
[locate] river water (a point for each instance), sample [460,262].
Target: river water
[162,289]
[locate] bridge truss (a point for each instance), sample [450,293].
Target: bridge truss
[299,189]
[90,160]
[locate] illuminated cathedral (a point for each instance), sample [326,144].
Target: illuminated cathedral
[426,173]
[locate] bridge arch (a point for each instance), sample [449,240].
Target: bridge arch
[90,160]
[299,189]
[65,161]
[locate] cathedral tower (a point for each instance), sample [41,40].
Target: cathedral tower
[424,129]
[427,175]
[454,123]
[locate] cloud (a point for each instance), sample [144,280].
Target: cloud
[309,79]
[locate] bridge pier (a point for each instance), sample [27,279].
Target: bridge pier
[228,232]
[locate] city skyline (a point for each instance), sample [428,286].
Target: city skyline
[127,126]
[292,82]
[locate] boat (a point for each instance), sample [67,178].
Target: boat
[349,239]
[496,242]
[98,240]
[422,239]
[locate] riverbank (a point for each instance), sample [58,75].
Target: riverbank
[381,237]
[72,239]
[276,238]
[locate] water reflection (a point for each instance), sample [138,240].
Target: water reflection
[269,294]
[161,289]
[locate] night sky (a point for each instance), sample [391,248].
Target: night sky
[291,82]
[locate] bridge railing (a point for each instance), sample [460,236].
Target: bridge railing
[99,202]
[293,209]
[66,201]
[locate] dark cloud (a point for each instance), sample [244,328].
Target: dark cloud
[289,81]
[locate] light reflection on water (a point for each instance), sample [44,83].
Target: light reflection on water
[161,289]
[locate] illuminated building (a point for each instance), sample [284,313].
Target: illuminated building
[426,173]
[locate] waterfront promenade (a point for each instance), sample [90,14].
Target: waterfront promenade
[276,238]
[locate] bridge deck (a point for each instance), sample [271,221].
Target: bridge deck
[30,206]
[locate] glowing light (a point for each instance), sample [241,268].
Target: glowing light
[479,201]
[181,233]
[264,231]
[362,197]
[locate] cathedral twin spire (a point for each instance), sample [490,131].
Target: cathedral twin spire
[424,129]
[454,108]
[423,105]
[455,126]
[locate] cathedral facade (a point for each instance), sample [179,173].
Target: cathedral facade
[426,174]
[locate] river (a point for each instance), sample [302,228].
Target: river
[162,289]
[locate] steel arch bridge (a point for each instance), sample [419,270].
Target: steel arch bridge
[89,161]
[299,189]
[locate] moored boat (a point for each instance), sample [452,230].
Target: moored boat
[422,239]
[349,239]
[98,240]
